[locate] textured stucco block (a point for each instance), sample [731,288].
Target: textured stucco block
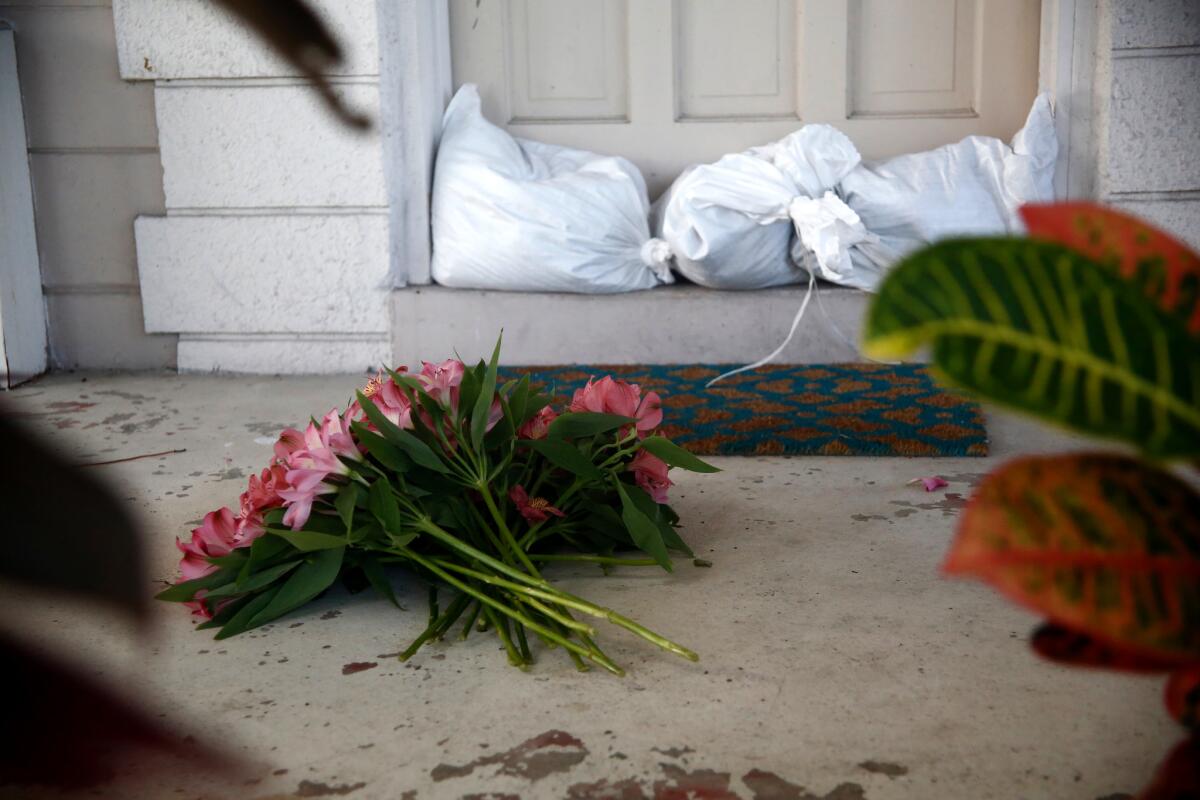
[277,355]
[67,62]
[264,274]
[104,331]
[669,325]
[266,146]
[160,40]
[1156,23]
[1154,144]
[1180,217]
[86,204]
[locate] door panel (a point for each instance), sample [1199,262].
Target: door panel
[735,59]
[567,61]
[667,83]
[891,77]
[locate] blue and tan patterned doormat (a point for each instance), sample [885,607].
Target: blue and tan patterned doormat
[808,409]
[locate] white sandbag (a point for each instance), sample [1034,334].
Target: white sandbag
[729,224]
[971,188]
[519,215]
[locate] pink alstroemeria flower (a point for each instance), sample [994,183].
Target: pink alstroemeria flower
[611,396]
[442,380]
[538,425]
[261,494]
[308,468]
[388,398]
[216,536]
[650,473]
[534,510]
[290,440]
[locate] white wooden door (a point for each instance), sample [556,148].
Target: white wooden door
[667,83]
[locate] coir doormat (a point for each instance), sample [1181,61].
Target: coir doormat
[808,409]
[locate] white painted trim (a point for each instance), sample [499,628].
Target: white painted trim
[22,307]
[1067,71]
[414,55]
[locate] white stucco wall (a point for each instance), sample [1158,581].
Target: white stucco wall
[1150,154]
[94,164]
[272,254]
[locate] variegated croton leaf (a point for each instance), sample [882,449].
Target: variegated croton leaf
[1043,329]
[1104,545]
[1164,267]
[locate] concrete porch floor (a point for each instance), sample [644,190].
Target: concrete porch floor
[833,656]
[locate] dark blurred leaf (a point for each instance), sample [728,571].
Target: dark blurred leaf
[63,527]
[1065,646]
[298,35]
[1183,696]
[1178,776]
[64,729]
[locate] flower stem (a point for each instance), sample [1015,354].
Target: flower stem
[470,623]
[600,659]
[490,502]
[501,627]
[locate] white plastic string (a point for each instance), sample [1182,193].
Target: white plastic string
[846,340]
[812,284]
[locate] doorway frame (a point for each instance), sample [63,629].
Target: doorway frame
[416,84]
[23,336]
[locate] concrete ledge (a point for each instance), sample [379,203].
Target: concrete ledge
[297,354]
[159,40]
[669,325]
[264,274]
[236,146]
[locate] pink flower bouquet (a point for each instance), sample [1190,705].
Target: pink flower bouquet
[471,485]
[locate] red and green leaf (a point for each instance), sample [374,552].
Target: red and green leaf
[1104,545]
[1167,269]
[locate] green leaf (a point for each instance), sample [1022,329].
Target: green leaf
[581,424]
[675,455]
[410,382]
[245,617]
[662,516]
[483,403]
[379,581]
[564,454]
[312,578]
[255,582]
[184,592]
[1040,328]
[264,551]
[414,447]
[347,499]
[383,505]
[645,534]
[234,559]
[309,541]
[380,448]
[226,613]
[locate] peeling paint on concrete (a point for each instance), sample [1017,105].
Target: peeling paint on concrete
[534,758]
